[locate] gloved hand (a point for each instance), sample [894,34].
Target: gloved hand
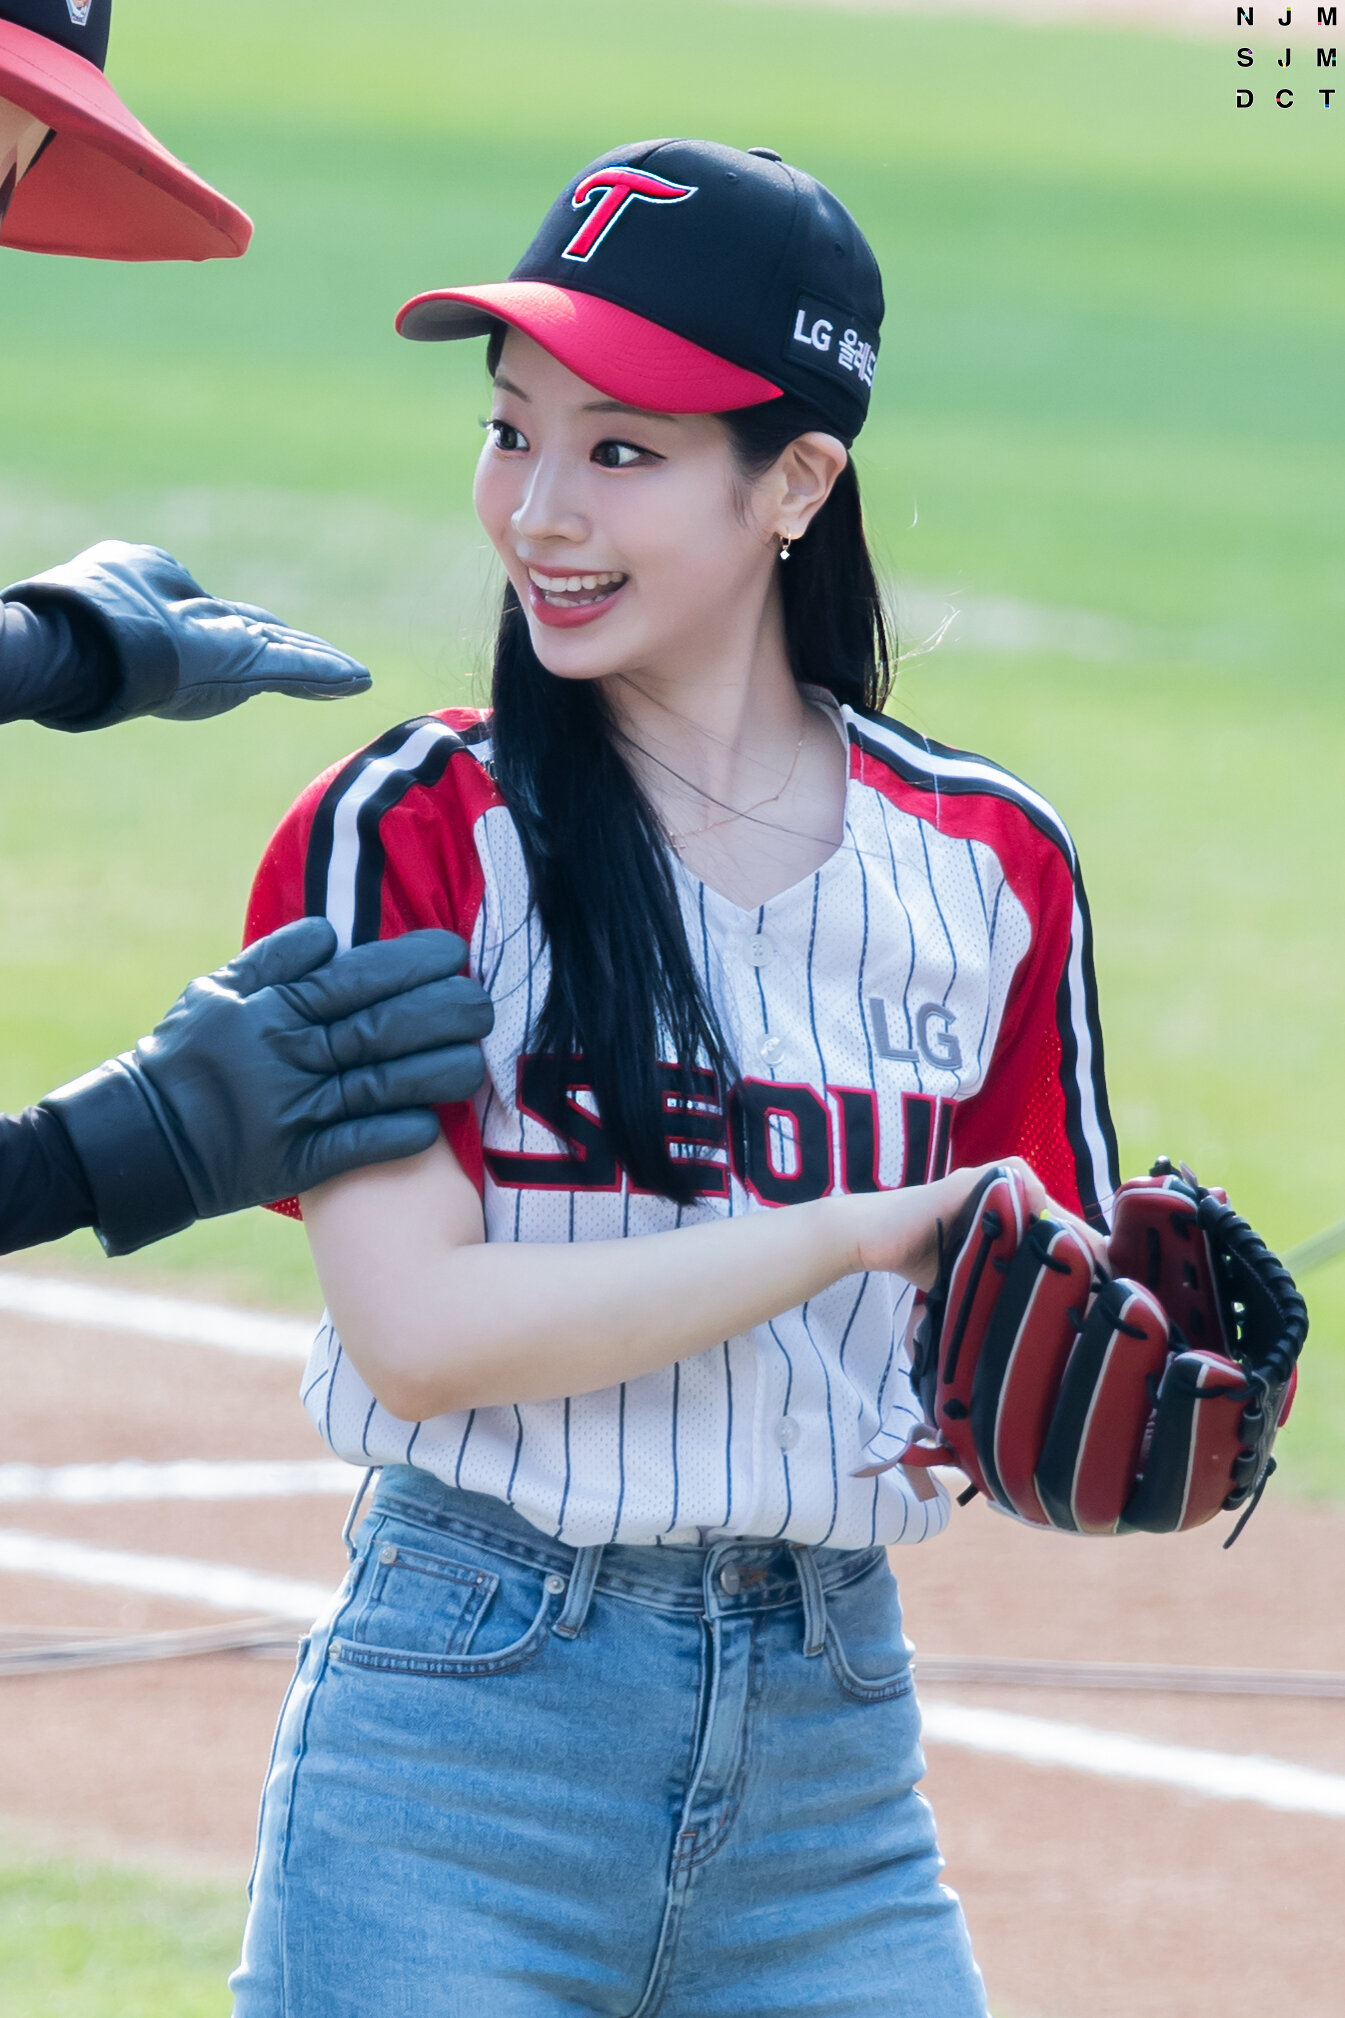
[1140,1392]
[276,1072]
[175,651]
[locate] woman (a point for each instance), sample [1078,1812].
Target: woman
[614,1712]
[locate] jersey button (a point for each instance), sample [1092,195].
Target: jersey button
[771,1050]
[758,951]
[787,1432]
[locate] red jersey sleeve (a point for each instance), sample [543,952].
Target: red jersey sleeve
[384,843]
[1045,1096]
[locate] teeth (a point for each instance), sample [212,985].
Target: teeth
[572,585]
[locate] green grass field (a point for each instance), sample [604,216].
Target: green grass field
[1110,386]
[79,1941]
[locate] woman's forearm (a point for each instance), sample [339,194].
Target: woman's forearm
[473,1325]
[437,1319]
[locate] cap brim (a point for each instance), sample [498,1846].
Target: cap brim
[622,354]
[103,187]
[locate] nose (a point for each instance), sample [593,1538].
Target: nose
[547,509]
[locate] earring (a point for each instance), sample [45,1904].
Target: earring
[786,541]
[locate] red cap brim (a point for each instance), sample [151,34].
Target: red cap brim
[620,353]
[103,188]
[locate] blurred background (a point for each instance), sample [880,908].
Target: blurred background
[1107,441]
[1107,432]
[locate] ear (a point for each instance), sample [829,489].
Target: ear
[807,469]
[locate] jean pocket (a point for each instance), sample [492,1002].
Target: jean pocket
[430,1604]
[866,1647]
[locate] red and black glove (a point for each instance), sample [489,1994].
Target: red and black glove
[1143,1398]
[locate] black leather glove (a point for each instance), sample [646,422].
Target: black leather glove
[56,667]
[153,643]
[278,1071]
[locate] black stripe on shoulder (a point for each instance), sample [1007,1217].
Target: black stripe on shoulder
[480,740]
[399,780]
[372,855]
[318,857]
[992,781]
[1070,1074]
[935,748]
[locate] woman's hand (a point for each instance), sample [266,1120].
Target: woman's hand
[899,1230]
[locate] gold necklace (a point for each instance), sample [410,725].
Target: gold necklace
[708,826]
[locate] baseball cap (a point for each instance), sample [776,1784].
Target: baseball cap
[99,186]
[686,277]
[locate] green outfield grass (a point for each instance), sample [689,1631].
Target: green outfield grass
[83,1941]
[1110,385]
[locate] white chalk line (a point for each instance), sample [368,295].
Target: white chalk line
[136,1479]
[1271,1783]
[1080,1748]
[52,1300]
[224,1587]
[1112,1755]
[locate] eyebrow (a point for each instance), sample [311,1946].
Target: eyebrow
[620,406]
[506,384]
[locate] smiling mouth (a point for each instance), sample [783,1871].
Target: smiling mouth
[576,591]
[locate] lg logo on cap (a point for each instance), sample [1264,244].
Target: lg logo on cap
[79,11]
[831,341]
[817,332]
[620,187]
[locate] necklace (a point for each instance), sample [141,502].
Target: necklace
[743,813]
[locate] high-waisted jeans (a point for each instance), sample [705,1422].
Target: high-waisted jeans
[513,1779]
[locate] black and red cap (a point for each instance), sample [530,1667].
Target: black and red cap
[98,186]
[686,277]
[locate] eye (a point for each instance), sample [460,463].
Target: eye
[622,455]
[504,436]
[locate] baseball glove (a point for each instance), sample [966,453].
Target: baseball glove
[1145,1398]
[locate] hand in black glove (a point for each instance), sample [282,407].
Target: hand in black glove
[128,632]
[280,1070]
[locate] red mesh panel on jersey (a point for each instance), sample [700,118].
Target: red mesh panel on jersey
[1022,1113]
[1041,1139]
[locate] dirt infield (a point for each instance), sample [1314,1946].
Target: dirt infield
[1093,1896]
[1085,1895]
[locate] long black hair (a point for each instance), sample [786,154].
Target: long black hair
[624,990]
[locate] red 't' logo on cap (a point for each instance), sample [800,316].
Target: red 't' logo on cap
[620,186]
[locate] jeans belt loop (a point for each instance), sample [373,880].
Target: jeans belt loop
[348,1531]
[579,1596]
[814,1599]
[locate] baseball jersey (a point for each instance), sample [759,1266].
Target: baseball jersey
[924,999]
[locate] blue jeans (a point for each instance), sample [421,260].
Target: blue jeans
[516,1780]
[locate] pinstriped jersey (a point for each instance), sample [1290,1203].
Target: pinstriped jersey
[925,999]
